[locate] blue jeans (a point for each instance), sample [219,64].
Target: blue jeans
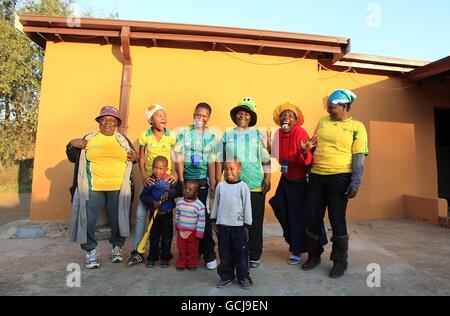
[141,220]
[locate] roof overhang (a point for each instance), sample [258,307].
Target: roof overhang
[44,28]
[334,51]
[438,70]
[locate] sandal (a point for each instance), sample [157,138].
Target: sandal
[293,260]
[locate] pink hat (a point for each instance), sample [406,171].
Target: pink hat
[109,111]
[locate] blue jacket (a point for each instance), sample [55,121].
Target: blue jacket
[155,191]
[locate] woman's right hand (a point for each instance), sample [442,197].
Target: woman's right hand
[78,143]
[149,180]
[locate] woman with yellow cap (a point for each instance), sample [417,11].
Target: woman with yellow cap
[290,148]
[336,174]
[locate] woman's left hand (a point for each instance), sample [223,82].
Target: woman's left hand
[306,145]
[351,192]
[173,178]
[266,186]
[132,156]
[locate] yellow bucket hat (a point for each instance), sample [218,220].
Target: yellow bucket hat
[285,107]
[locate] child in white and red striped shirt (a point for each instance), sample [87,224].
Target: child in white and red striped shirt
[190,226]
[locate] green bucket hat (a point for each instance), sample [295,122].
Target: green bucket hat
[247,105]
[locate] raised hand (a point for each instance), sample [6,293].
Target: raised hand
[78,143]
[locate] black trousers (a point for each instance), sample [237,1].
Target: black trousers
[328,191]
[233,253]
[161,237]
[255,242]
[207,243]
[290,207]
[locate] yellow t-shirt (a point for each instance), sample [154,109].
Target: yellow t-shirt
[337,142]
[106,163]
[153,148]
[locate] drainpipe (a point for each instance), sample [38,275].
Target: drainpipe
[126,79]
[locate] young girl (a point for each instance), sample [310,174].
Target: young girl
[190,226]
[156,141]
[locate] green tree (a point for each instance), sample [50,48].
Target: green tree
[7,8]
[20,76]
[20,79]
[47,7]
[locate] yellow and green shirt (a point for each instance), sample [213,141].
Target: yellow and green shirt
[106,163]
[155,148]
[338,141]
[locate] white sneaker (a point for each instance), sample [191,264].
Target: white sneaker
[211,265]
[92,260]
[116,254]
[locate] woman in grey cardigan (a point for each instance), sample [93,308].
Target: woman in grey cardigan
[104,161]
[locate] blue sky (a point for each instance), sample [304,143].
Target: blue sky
[413,29]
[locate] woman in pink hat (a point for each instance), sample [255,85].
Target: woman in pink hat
[103,162]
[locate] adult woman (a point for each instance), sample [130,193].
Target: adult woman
[335,177]
[290,147]
[103,170]
[249,147]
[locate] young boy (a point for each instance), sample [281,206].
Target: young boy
[190,225]
[232,210]
[156,141]
[196,155]
[160,196]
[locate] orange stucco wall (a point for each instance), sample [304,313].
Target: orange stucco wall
[80,78]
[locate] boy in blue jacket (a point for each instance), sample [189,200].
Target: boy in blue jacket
[160,196]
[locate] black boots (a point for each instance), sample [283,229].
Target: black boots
[315,250]
[339,255]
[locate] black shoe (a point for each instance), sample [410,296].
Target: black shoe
[164,264]
[246,284]
[134,259]
[338,270]
[192,269]
[311,263]
[223,283]
[150,264]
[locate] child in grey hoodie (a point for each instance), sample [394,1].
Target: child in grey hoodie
[231,213]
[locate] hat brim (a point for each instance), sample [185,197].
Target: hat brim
[282,108]
[253,119]
[116,116]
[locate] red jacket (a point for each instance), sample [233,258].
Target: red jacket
[286,146]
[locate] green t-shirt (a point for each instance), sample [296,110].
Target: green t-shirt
[250,148]
[198,149]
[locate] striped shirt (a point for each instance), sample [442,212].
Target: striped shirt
[190,216]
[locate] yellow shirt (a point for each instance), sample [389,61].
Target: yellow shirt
[153,148]
[337,142]
[106,163]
